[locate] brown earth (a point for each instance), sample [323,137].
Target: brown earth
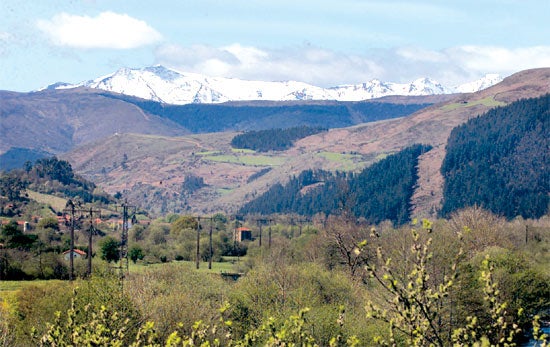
[157,165]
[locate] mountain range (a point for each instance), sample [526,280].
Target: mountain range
[152,169]
[147,149]
[169,86]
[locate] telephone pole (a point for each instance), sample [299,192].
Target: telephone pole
[260,222]
[197,258]
[210,241]
[69,207]
[91,231]
[123,250]
[72,210]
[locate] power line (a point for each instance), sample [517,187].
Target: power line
[72,209]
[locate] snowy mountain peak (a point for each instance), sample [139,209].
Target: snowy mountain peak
[166,85]
[480,84]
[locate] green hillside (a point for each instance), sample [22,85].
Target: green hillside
[500,161]
[379,192]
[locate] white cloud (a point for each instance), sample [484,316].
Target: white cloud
[505,60]
[107,30]
[323,67]
[304,63]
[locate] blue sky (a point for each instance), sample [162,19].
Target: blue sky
[325,43]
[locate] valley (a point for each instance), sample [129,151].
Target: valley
[155,159]
[274,173]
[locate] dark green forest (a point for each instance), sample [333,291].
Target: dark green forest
[379,192]
[501,161]
[272,139]
[205,118]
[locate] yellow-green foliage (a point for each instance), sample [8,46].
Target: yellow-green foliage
[419,289]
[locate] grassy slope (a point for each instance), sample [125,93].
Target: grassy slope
[55,202]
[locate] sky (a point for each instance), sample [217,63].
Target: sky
[321,42]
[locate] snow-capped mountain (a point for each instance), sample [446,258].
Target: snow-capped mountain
[165,85]
[480,84]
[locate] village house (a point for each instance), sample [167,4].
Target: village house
[77,254]
[242,234]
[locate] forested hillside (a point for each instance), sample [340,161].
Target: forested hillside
[379,192]
[204,118]
[272,139]
[501,161]
[48,176]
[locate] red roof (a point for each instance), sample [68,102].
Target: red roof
[243,229]
[78,251]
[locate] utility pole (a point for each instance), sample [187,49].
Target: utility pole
[269,244]
[198,242]
[123,250]
[211,249]
[237,224]
[69,207]
[260,222]
[72,209]
[92,211]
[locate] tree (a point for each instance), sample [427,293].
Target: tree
[11,186]
[135,253]
[110,249]
[48,223]
[183,223]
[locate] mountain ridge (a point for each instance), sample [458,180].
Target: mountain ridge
[169,86]
[232,176]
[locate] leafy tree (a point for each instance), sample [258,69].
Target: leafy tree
[110,249]
[11,185]
[55,169]
[15,238]
[183,223]
[48,223]
[135,253]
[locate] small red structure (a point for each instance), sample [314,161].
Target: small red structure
[77,253]
[242,234]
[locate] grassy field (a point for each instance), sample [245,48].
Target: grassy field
[347,162]
[488,101]
[250,160]
[56,203]
[242,150]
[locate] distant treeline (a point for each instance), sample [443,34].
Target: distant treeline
[15,156]
[501,161]
[204,118]
[273,139]
[380,192]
